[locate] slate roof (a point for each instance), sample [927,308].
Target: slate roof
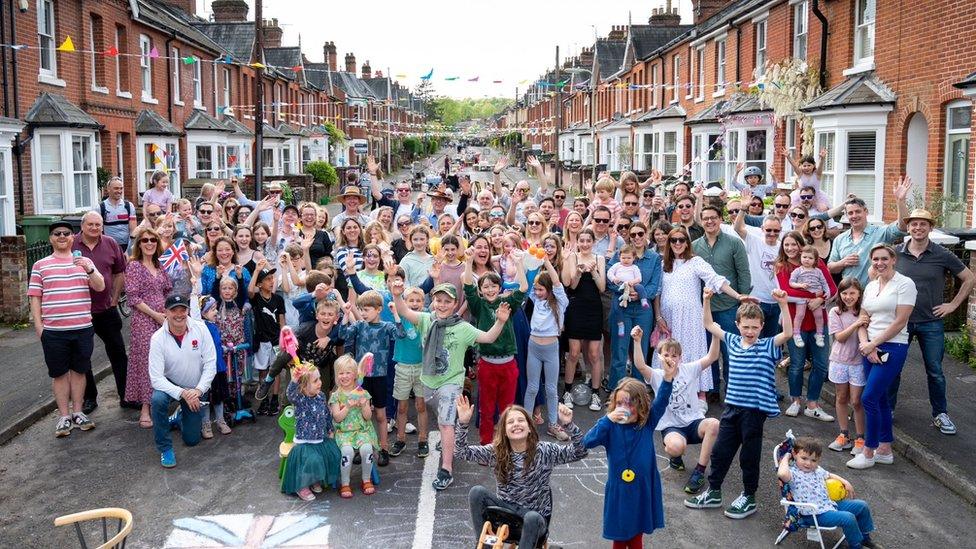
[284,59]
[353,86]
[646,39]
[378,87]
[968,82]
[671,111]
[288,131]
[619,124]
[738,103]
[235,38]
[200,121]
[270,133]
[609,56]
[317,74]
[720,17]
[150,123]
[860,89]
[236,127]
[52,109]
[169,18]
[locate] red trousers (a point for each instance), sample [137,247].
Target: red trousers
[496,390]
[636,542]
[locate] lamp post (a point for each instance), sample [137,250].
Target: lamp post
[580,70]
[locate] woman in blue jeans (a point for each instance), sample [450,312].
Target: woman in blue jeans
[888,303]
[788,260]
[649,263]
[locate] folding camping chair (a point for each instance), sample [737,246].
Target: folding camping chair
[791,522]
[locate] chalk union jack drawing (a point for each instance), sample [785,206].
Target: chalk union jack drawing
[291,530]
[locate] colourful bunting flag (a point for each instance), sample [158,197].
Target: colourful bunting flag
[111,52]
[475,79]
[257,65]
[449,78]
[496,81]
[189,60]
[154,53]
[18,47]
[67,45]
[224,60]
[401,75]
[428,75]
[297,68]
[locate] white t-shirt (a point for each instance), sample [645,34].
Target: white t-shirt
[882,305]
[762,257]
[683,407]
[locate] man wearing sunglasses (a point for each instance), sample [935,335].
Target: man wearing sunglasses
[272,190]
[60,302]
[781,209]
[559,201]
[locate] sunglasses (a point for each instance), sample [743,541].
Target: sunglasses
[637,234]
[403,190]
[403,224]
[601,220]
[496,214]
[630,203]
[772,231]
[201,212]
[734,211]
[147,240]
[623,227]
[61,233]
[154,214]
[678,240]
[806,197]
[795,215]
[648,195]
[815,227]
[214,229]
[533,223]
[558,197]
[685,206]
[781,206]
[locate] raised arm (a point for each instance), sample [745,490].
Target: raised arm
[710,325]
[902,189]
[639,362]
[740,218]
[396,290]
[785,318]
[501,317]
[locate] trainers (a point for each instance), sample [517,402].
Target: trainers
[423,450]
[82,422]
[944,424]
[858,447]
[709,499]
[870,543]
[384,458]
[798,340]
[818,413]
[861,461]
[63,427]
[410,428]
[568,400]
[263,407]
[223,427]
[306,495]
[695,482]
[557,433]
[595,404]
[206,431]
[443,480]
[168,459]
[884,459]
[793,410]
[742,507]
[262,391]
[389,427]
[397,448]
[676,463]
[819,340]
[273,407]
[438,446]
[841,443]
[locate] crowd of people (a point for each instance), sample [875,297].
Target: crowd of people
[476,305]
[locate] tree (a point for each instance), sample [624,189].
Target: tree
[425,93]
[451,111]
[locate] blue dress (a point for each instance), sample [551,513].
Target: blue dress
[631,508]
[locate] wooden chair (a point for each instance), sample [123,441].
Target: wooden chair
[116,541]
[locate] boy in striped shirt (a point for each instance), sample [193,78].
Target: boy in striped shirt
[750,398]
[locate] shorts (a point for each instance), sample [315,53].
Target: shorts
[406,378]
[264,356]
[690,432]
[847,373]
[446,397]
[68,350]
[376,387]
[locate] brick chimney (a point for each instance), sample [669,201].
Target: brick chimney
[707,8]
[586,58]
[664,17]
[351,63]
[329,51]
[272,33]
[367,71]
[619,32]
[229,11]
[188,6]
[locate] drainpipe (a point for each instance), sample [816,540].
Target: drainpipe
[824,32]
[169,77]
[3,63]
[19,149]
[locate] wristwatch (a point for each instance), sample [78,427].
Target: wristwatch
[89,272]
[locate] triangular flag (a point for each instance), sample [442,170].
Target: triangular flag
[223,60]
[496,81]
[451,78]
[400,75]
[257,65]
[475,79]
[428,75]
[154,53]
[189,60]
[111,52]
[17,47]
[67,45]
[297,68]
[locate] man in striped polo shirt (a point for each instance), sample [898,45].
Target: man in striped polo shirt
[60,301]
[750,397]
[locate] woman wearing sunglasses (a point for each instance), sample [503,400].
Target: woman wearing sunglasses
[815,233]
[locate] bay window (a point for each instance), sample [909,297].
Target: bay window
[708,153]
[65,180]
[669,153]
[158,153]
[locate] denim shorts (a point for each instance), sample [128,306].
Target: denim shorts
[445,400]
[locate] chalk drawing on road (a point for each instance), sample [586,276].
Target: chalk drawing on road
[292,530]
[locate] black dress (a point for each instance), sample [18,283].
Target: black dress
[584,315]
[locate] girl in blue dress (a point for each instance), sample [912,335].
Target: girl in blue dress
[314,459]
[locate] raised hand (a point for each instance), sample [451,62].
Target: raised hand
[902,188]
[707,293]
[464,410]
[779,296]
[670,368]
[504,312]
[565,415]
[371,165]
[395,286]
[637,333]
[501,163]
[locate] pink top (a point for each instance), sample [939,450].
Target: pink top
[64,292]
[160,198]
[610,204]
[846,352]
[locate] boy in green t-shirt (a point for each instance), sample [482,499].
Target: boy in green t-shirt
[446,338]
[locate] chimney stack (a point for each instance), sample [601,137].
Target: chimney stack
[229,11]
[351,63]
[367,71]
[329,53]
[379,74]
[188,6]
[272,33]
[586,58]
[707,8]
[619,32]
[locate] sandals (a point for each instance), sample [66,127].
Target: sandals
[368,488]
[345,492]
[145,422]
[538,419]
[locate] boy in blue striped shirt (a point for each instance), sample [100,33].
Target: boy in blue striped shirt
[749,399]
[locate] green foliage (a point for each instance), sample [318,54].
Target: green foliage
[103,177]
[432,144]
[425,93]
[414,147]
[287,195]
[960,347]
[322,172]
[336,136]
[450,111]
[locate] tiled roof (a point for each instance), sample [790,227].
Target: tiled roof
[200,121]
[161,14]
[738,103]
[860,89]
[52,109]
[671,111]
[351,84]
[378,85]
[968,82]
[646,39]
[619,124]
[236,38]
[235,126]
[317,75]
[609,56]
[150,123]
[722,15]
[288,131]
[284,59]
[270,133]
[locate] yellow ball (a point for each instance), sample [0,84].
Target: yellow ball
[835,489]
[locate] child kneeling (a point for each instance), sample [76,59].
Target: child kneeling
[314,459]
[802,470]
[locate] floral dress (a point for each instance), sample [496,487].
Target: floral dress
[230,322]
[141,286]
[683,317]
[354,430]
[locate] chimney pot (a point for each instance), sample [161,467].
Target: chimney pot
[351,63]
[229,11]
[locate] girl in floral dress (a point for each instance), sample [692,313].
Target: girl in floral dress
[231,323]
[146,285]
[351,410]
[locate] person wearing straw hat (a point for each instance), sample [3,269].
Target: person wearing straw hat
[352,200]
[272,191]
[928,263]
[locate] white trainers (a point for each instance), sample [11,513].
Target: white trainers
[798,340]
[860,461]
[595,404]
[410,428]
[884,459]
[819,340]
[568,400]
[818,413]
[793,410]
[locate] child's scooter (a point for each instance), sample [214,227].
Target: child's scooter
[240,412]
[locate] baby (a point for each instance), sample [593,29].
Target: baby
[627,277]
[809,277]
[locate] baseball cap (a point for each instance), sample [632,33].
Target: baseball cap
[177,300]
[59,224]
[446,288]
[265,274]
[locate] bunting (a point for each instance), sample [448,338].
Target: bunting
[154,53]
[67,45]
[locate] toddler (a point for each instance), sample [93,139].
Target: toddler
[314,459]
[809,277]
[808,174]
[350,406]
[627,277]
[603,196]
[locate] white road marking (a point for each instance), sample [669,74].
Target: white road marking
[423,531]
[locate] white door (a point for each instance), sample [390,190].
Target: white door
[917,158]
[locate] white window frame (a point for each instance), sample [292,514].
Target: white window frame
[171,162]
[145,69]
[706,165]
[177,72]
[94,73]
[692,72]
[47,31]
[720,60]
[675,78]
[8,133]
[700,67]
[586,143]
[69,201]
[218,159]
[274,148]
[951,135]
[863,29]
[118,67]
[227,87]
[801,28]
[761,46]
[198,85]
[120,156]
[277,105]
[655,86]
[792,143]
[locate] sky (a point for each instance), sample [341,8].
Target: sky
[491,39]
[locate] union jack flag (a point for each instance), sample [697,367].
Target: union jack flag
[174,255]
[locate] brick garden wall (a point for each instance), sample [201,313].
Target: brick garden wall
[13,279]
